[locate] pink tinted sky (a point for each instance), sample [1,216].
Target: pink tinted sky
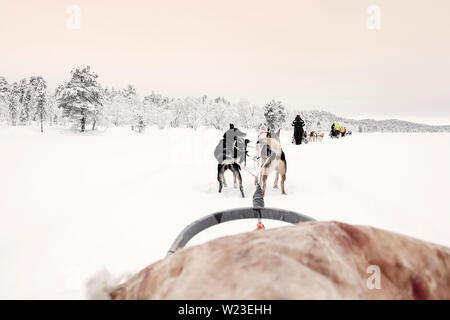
[307,53]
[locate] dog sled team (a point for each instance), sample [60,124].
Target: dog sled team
[313,136]
[339,131]
[231,153]
[301,136]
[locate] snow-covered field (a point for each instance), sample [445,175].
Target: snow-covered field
[72,204]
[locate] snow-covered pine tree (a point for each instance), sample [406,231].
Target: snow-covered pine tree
[130,95]
[138,121]
[275,114]
[26,105]
[131,102]
[13,98]
[39,98]
[98,115]
[81,97]
[4,89]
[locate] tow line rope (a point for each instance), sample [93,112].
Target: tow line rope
[256,176]
[259,225]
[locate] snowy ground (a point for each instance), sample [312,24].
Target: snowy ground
[72,204]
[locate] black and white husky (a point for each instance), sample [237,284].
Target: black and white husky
[230,152]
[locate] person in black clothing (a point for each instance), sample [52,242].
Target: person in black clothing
[298,125]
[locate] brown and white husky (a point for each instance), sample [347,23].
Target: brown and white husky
[271,157]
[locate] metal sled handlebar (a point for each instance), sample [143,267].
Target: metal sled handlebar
[234,214]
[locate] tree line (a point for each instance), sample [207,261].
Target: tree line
[83,102]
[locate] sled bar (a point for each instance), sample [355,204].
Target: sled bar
[234,214]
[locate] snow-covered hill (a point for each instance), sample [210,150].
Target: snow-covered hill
[322,120]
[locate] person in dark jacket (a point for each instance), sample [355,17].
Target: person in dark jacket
[298,125]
